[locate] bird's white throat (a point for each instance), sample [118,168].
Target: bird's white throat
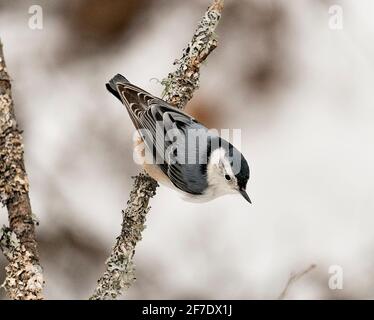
[218,166]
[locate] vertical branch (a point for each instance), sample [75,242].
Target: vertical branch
[179,88]
[24,279]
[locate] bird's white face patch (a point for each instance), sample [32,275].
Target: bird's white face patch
[218,167]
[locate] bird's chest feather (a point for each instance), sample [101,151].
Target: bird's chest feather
[152,169]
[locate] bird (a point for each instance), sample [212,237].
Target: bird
[181,152]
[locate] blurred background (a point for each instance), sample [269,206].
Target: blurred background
[300,90]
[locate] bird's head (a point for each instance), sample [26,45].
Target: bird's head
[228,171]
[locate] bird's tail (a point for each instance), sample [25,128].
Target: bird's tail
[134,98]
[112,85]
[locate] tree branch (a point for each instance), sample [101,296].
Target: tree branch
[179,88]
[293,278]
[24,277]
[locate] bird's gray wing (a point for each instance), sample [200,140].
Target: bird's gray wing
[165,131]
[173,132]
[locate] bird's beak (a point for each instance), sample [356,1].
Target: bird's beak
[245,195]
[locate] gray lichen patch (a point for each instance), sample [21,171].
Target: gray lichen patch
[13,178]
[24,277]
[6,119]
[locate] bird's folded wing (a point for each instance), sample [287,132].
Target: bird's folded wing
[165,130]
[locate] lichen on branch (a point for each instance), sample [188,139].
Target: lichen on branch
[120,272]
[24,277]
[179,88]
[184,81]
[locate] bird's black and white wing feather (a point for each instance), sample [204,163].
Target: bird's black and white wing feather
[161,126]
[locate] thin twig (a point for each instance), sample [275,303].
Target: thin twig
[179,88]
[24,277]
[293,278]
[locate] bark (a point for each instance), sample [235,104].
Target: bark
[24,278]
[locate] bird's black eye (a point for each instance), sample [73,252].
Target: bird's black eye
[227,177]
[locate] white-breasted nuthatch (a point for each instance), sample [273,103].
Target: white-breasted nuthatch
[201,172]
